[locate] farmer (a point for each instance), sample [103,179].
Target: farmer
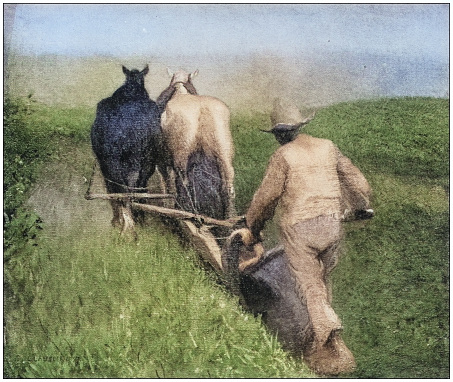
[316,187]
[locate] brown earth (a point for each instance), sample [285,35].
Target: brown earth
[58,197]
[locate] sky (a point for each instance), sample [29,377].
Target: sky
[317,53]
[232,29]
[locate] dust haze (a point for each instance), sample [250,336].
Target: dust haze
[244,83]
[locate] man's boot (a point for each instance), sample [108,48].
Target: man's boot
[332,358]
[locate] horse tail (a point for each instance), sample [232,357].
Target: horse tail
[203,192]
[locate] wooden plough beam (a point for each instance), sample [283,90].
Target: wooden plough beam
[132,195]
[200,236]
[181,214]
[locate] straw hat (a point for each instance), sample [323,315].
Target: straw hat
[286,117]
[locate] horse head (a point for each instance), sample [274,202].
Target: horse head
[181,81]
[135,77]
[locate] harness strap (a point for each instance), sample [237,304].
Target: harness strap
[127,188]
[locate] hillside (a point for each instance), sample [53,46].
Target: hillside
[82,303]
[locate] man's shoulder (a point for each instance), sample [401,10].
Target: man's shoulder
[305,142]
[304,138]
[304,146]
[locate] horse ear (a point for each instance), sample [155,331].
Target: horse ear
[169,72]
[146,70]
[194,74]
[125,70]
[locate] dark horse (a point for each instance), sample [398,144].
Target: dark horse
[125,138]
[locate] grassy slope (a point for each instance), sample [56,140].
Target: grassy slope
[103,308]
[90,305]
[391,288]
[82,303]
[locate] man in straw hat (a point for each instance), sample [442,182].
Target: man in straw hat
[315,185]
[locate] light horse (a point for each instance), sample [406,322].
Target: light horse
[197,137]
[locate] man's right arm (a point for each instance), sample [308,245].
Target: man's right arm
[266,198]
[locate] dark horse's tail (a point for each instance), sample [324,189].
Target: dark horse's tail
[203,193]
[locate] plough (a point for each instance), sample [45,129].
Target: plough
[197,228]
[262,279]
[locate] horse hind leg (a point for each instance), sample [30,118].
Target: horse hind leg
[127,220]
[123,218]
[167,181]
[116,220]
[115,204]
[222,152]
[227,172]
[231,209]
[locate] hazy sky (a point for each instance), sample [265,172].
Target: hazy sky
[161,29]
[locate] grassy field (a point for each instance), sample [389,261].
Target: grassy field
[392,287]
[80,302]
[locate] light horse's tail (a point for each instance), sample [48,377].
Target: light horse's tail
[203,193]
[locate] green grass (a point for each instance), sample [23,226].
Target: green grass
[407,136]
[392,286]
[252,151]
[101,307]
[82,303]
